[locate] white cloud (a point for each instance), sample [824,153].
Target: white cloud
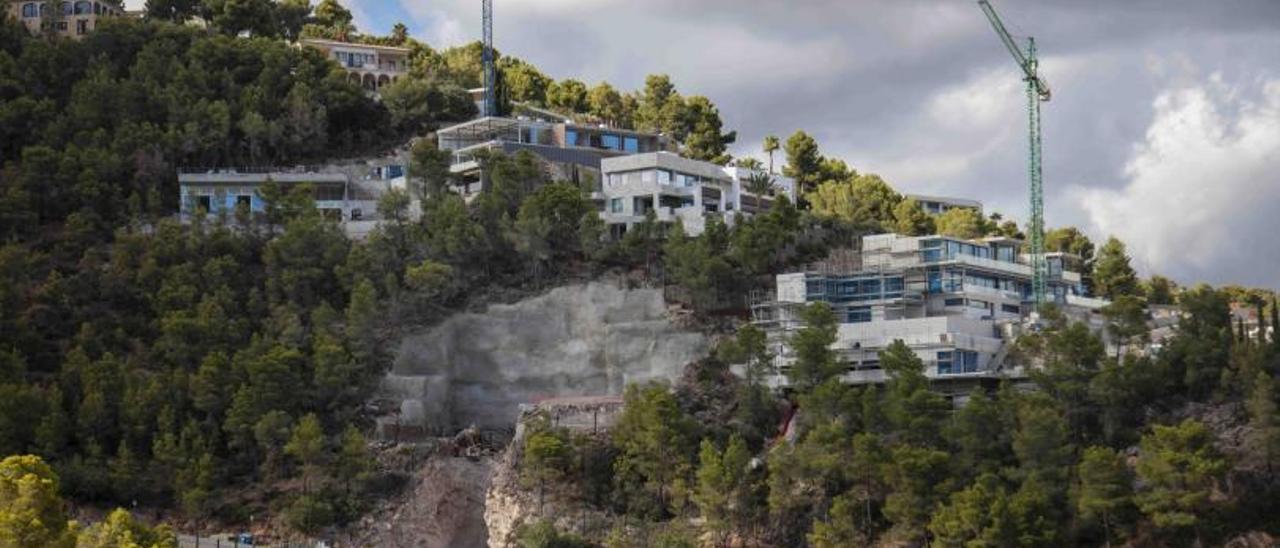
[1203,189]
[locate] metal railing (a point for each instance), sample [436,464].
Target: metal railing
[250,170]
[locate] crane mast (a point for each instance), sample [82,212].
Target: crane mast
[490,79]
[1037,91]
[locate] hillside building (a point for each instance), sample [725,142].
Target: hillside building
[369,65]
[70,19]
[571,151]
[677,188]
[956,303]
[347,196]
[937,205]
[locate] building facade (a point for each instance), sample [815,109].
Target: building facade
[956,303]
[368,65]
[339,194]
[572,151]
[72,19]
[677,188]
[937,205]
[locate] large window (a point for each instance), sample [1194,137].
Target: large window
[860,314]
[30,10]
[330,193]
[611,142]
[664,177]
[615,205]
[631,144]
[570,137]
[944,363]
[84,8]
[1006,254]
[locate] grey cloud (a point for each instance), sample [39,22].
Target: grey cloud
[862,77]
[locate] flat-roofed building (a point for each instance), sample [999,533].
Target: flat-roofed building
[678,188]
[72,19]
[956,303]
[369,65]
[349,199]
[572,151]
[937,205]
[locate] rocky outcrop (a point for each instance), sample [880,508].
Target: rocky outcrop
[509,505]
[580,340]
[445,506]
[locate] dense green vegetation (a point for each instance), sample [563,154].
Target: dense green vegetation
[896,463]
[175,365]
[219,367]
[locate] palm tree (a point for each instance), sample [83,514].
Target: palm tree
[399,34]
[771,145]
[760,184]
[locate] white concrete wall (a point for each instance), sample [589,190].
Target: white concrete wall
[791,288]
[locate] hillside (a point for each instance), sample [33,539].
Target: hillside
[266,372]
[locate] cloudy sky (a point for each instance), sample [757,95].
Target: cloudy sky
[1164,128]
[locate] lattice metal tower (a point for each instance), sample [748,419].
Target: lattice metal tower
[490,76]
[1037,91]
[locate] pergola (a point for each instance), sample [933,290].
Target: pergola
[480,130]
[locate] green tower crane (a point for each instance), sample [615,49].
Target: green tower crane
[1037,91]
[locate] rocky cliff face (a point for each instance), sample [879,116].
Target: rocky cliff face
[591,339]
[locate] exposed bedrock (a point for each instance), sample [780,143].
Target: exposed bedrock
[592,339]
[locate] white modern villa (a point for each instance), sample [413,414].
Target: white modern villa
[677,188]
[956,303]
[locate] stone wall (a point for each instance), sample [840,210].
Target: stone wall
[580,340]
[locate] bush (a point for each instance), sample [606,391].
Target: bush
[310,514]
[543,534]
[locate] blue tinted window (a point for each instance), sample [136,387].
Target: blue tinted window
[611,142]
[859,315]
[631,144]
[571,137]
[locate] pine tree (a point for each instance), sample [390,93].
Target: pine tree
[804,162]
[815,362]
[1112,274]
[307,444]
[911,219]
[914,411]
[1105,488]
[1275,325]
[1264,422]
[1179,467]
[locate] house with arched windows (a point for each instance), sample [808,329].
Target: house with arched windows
[71,18]
[368,65]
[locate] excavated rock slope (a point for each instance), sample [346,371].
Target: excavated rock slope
[444,507]
[592,339]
